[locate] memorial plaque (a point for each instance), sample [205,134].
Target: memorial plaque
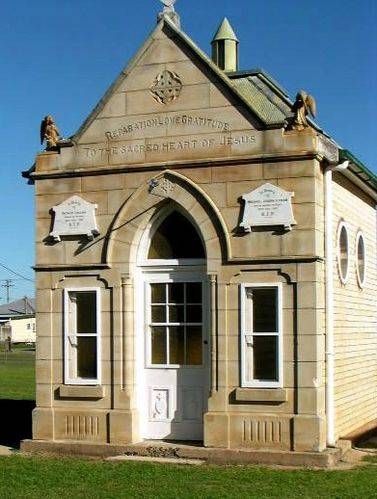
[74,217]
[268,206]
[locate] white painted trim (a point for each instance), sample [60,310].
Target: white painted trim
[329,271]
[329,285]
[243,333]
[360,282]
[166,274]
[80,381]
[343,278]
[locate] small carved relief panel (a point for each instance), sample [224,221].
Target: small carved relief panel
[167,87]
[159,408]
[161,187]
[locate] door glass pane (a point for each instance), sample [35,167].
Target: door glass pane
[177,345]
[87,357]
[194,345]
[86,312]
[158,293]
[265,358]
[194,292]
[176,293]
[158,314]
[158,345]
[170,330]
[194,313]
[176,313]
[265,310]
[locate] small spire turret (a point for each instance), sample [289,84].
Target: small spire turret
[225,47]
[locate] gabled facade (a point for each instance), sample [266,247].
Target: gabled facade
[175,322]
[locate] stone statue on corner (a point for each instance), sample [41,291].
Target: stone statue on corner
[49,133]
[304,105]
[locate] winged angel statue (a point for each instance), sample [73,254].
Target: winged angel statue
[49,132]
[304,105]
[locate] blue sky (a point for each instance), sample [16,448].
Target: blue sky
[59,57]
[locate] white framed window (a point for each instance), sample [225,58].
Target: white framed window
[261,335]
[82,336]
[360,259]
[343,252]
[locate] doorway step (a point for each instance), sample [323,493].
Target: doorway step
[177,450]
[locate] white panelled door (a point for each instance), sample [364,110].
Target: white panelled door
[175,352]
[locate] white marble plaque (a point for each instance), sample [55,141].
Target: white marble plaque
[268,206]
[74,217]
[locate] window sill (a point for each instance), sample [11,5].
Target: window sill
[81,392]
[263,395]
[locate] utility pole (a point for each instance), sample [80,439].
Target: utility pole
[8,285]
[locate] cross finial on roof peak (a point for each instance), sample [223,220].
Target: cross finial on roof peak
[168,5]
[169,12]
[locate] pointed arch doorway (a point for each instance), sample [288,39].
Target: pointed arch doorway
[173,353]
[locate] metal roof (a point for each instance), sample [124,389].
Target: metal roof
[268,105]
[24,306]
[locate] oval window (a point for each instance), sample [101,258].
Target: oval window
[360,259]
[343,253]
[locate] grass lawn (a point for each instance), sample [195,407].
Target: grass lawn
[65,478]
[17,373]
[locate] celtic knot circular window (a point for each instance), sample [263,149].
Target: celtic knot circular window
[343,252]
[360,259]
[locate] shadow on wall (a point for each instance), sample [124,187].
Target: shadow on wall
[16,423]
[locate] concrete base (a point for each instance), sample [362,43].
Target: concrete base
[325,459]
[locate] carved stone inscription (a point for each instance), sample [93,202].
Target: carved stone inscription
[161,121]
[268,206]
[166,146]
[73,217]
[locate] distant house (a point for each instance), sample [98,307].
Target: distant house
[17,320]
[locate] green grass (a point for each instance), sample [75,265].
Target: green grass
[17,374]
[65,478]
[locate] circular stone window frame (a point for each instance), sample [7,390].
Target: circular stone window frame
[360,282]
[343,279]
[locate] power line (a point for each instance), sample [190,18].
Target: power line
[16,273]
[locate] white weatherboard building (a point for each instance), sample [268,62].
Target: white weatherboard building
[17,321]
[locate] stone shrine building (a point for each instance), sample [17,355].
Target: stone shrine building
[205,263]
